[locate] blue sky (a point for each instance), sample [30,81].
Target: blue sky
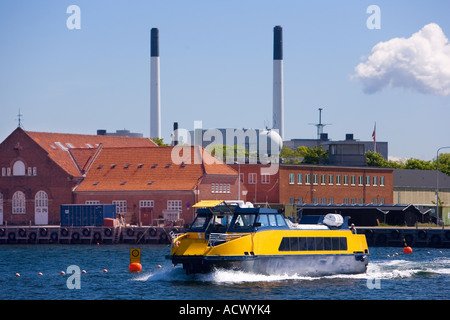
[216,66]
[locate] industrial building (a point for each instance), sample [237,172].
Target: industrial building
[314,184]
[42,171]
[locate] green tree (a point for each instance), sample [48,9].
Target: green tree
[304,155]
[159,142]
[444,163]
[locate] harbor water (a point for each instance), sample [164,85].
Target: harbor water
[35,272]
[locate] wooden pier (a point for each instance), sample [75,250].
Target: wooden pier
[86,235]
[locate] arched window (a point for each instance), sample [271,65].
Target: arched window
[18,203]
[18,168]
[41,202]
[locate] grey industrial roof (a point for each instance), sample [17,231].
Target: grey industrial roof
[420,178]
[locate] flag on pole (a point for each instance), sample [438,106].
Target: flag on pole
[374,137]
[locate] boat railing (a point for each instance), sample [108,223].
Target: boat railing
[218,238]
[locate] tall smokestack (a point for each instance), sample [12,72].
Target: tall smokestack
[155,100]
[278,103]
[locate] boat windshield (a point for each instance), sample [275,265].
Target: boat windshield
[200,223]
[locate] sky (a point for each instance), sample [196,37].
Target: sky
[390,66]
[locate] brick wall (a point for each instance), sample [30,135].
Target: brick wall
[45,175]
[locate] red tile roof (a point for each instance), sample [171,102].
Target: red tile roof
[137,168]
[58,146]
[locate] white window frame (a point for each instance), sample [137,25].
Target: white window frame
[121,206]
[146,203]
[265,178]
[323,179]
[92,202]
[338,179]
[308,178]
[375,181]
[252,178]
[299,178]
[19,168]
[315,178]
[382,181]
[175,205]
[19,203]
[291,178]
[331,179]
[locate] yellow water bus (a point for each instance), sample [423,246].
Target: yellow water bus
[236,235]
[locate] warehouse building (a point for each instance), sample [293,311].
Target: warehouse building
[41,171]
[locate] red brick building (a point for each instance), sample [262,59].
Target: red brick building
[41,171]
[298,184]
[146,184]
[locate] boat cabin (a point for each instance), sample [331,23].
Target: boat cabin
[229,217]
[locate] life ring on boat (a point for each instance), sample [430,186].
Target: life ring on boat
[97,236]
[422,234]
[435,239]
[11,236]
[2,232]
[43,232]
[177,243]
[86,232]
[381,238]
[395,234]
[22,232]
[152,232]
[108,232]
[32,236]
[130,232]
[75,236]
[64,232]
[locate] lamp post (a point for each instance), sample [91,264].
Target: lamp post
[437,185]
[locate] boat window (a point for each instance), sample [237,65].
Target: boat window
[263,219]
[272,220]
[280,220]
[244,221]
[199,223]
[313,244]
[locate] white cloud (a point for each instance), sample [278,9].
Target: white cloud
[420,63]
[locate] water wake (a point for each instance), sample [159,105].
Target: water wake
[398,268]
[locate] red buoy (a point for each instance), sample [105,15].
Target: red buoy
[407,250]
[135,267]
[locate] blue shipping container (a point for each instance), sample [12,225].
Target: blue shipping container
[86,214]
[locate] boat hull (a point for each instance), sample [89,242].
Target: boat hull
[303,265]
